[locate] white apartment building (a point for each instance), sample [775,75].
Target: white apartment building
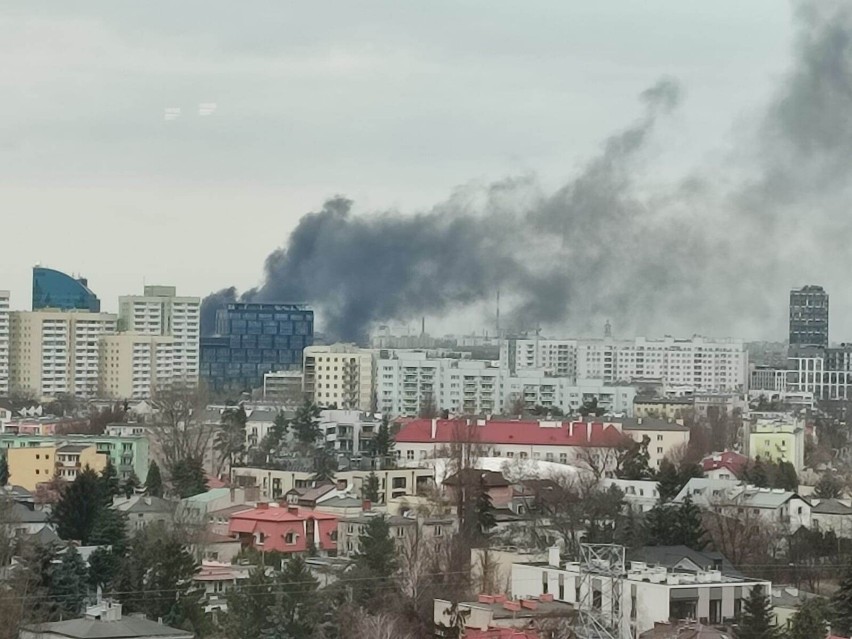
[697,362]
[134,365]
[537,388]
[4,343]
[340,374]
[55,352]
[160,311]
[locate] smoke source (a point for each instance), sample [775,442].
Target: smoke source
[695,256]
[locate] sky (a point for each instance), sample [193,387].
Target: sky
[394,105]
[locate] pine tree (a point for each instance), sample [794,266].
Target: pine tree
[841,604]
[377,551]
[110,486]
[810,620]
[249,605]
[635,460]
[305,424]
[325,466]
[756,619]
[79,507]
[188,478]
[658,525]
[296,609]
[786,477]
[688,527]
[110,529]
[484,518]
[668,481]
[68,581]
[129,485]
[154,481]
[370,488]
[103,568]
[230,441]
[383,443]
[4,470]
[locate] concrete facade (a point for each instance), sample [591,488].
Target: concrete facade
[340,374]
[4,343]
[134,365]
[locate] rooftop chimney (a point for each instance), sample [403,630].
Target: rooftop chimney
[262,505]
[366,505]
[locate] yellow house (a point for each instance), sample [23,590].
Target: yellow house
[31,466]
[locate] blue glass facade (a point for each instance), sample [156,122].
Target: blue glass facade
[54,289]
[253,339]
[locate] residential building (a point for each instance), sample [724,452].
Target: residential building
[54,289]
[4,343]
[767,378]
[394,482]
[668,408]
[659,584]
[697,362]
[287,529]
[501,617]
[639,495]
[160,311]
[808,317]
[135,365]
[832,515]
[104,621]
[777,437]
[283,386]
[57,352]
[350,529]
[340,374]
[535,388]
[144,510]
[493,483]
[128,454]
[349,433]
[34,465]
[547,440]
[254,339]
[21,521]
[195,510]
[726,465]
[217,578]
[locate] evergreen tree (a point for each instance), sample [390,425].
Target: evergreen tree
[68,581]
[103,568]
[757,474]
[688,527]
[110,529]
[325,466]
[756,619]
[829,486]
[786,477]
[79,506]
[630,530]
[377,552]
[484,516]
[4,470]
[306,424]
[370,488]
[635,460]
[810,620]
[249,605]
[668,481]
[230,441]
[296,610]
[154,481]
[129,485]
[188,478]
[841,604]
[110,486]
[658,525]
[383,443]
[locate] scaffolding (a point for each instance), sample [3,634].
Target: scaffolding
[601,586]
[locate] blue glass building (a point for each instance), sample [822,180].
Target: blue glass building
[54,289]
[253,339]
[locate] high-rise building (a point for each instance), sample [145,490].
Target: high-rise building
[159,311]
[54,289]
[4,343]
[54,352]
[254,339]
[135,365]
[340,374]
[808,317]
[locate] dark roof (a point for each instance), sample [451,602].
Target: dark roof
[831,507]
[670,556]
[150,504]
[393,520]
[73,448]
[22,514]
[649,423]
[45,536]
[124,628]
[474,476]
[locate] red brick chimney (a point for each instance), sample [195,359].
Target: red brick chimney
[366,505]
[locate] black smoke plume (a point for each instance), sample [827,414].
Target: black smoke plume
[714,252]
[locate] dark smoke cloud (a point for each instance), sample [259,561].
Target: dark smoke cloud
[712,253]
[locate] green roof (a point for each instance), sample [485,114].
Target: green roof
[210,495]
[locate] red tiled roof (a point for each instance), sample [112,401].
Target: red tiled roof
[512,432]
[275,513]
[733,461]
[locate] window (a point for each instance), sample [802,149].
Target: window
[409,454]
[523,455]
[439,532]
[510,454]
[400,531]
[659,438]
[561,587]
[563,458]
[544,581]
[659,450]
[290,538]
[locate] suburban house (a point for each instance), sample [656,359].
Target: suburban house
[216,578]
[492,482]
[725,465]
[143,510]
[287,529]
[832,515]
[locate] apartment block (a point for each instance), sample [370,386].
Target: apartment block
[55,352]
[340,374]
[776,437]
[134,365]
[4,343]
[34,465]
[160,311]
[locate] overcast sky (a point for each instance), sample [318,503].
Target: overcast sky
[393,104]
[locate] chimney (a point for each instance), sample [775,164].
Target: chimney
[434,427]
[233,494]
[553,558]
[293,510]
[366,505]
[262,505]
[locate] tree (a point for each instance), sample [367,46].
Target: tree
[325,466]
[841,604]
[688,526]
[383,443]
[188,478]
[230,440]
[129,485]
[305,424]
[79,507]
[68,583]
[485,518]
[4,470]
[668,481]
[635,460]
[370,488]
[377,550]
[296,608]
[249,605]
[810,620]
[676,525]
[756,473]
[110,529]
[104,564]
[756,619]
[177,429]
[110,486]
[829,486]
[154,481]
[786,477]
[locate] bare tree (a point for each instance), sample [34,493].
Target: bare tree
[742,536]
[597,460]
[178,428]
[364,625]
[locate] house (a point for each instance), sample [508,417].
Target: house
[350,529]
[785,604]
[678,584]
[288,529]
[725,465]
[776,436]
[23,521]
[639,495]
[36,465]
[668,408]
[144,510]
[310,497]
[833,515]
[500,616]
[494,483]
[216,578]
[219,521]
[103,621]
[194,510]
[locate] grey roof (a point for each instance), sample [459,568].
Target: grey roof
[22,514]
[125,628]
[73,448]
[230,510]
[790,597]
[648,423]
[831,507]
[146,504]
[671,556]
[312,494]
[393,520]
[341,502]
[45,536]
